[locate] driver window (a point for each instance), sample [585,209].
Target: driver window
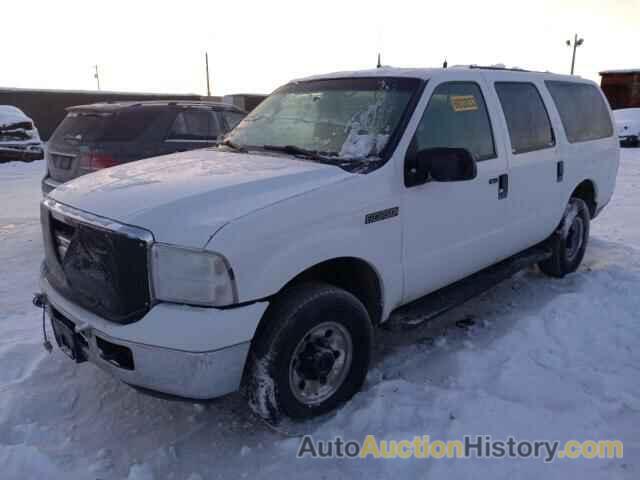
[456,116]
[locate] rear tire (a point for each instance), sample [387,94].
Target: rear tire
[569,241]
[310,355]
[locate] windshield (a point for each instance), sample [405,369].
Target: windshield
[350,118]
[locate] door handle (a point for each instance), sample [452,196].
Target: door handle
[560,171]
[503,185]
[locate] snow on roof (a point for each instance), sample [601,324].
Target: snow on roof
[624,70]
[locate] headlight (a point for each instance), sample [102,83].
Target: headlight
[194,277]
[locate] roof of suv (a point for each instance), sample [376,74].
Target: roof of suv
[426,73]
[108,107]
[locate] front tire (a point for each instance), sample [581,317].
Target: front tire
[311,354]
[569,242]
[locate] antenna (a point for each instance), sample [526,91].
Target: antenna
[444,64]
[379,61]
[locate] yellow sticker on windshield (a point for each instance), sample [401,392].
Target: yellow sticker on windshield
[463,103]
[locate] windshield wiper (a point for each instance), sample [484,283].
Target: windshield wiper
[330,158]
[294,150]
[233,146]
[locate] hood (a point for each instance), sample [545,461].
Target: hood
[10,114]
[16,128]
[185,198]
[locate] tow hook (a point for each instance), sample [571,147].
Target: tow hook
[40,301]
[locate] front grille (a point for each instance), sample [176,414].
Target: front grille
[97,264]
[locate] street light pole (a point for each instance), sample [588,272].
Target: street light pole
[576,43]
[206,63]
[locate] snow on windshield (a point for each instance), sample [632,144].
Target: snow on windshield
[362,140]
[348,118]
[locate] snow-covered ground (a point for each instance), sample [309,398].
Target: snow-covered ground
[544,359]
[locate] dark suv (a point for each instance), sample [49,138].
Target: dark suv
[92,137]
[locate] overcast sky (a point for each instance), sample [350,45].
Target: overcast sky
[158,46]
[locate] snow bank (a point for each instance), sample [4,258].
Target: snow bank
[535,357]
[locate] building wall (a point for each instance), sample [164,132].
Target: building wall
[47,107]
[244,101]
[622,89]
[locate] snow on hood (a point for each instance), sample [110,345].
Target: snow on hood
[10,115]
[185,198]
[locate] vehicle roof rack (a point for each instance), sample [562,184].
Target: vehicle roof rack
[495,67]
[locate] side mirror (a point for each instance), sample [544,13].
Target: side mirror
[441,164]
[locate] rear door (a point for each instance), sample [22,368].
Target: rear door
[454,229]
[88,140]
[70,141]
[536,169]
[193,128]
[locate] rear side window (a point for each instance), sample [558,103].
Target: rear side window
[526,116]
[232,118]
[195,124]
[94,126]
[129,124]
[584,114]
[456,116]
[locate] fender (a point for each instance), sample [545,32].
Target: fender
[569,193]
[270,247]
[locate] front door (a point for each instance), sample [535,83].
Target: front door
[454,229]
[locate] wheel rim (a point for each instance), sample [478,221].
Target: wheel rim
[320,363]
[575,238]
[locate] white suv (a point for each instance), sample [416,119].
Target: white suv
[628,125]
[341,203]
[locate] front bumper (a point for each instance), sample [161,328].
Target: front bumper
[26,153]
[189,352]
[629,140]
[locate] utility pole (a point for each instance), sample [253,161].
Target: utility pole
[206,62]
[97,76]
[576,43]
